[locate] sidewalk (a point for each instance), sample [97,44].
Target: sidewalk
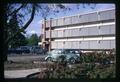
[20,73]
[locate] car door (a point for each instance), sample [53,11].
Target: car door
[55,54]
[68,54]
[61,56]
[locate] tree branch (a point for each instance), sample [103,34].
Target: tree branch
[15,11]
[25,26]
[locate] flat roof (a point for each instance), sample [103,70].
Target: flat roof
[82,14]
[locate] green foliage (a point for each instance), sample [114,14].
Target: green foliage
[33,40]
[13,26]
[86,70]
[105,72]
[19,40]
[108,72]
[97,57]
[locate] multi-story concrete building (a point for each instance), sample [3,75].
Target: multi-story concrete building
[90,31]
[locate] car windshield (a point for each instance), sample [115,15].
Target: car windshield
[56,51]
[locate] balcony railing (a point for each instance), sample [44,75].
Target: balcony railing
[85,18]
[96,44]
[87,31]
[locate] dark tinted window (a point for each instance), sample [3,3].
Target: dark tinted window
[57,51]
[70,51]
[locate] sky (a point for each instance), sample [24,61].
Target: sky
[35,26]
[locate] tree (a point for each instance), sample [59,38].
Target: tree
[19,39]
[33,40]
[10,12]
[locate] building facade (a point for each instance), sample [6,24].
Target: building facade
[90,31]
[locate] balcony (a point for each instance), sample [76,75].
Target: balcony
[80,32]
[96,44]
[85,18]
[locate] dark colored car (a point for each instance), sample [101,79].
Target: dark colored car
[23,49]
[71,56]
[20,50]
[36,50]
[11,50]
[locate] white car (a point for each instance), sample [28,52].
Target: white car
[71,55]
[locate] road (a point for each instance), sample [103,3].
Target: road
[26,58]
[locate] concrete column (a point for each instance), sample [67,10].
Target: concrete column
[50,34]
[43,35]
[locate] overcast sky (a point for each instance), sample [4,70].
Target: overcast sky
[35,26]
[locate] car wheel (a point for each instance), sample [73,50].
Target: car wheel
[49,59]
[72,61]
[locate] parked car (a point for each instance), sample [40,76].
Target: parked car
[36,50]
[44,50]
[23,49]
[19,50]
[11,50]
[71,56]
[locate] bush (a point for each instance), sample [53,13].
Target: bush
[101,57]
[87,69]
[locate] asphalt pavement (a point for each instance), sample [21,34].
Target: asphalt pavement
[27,58]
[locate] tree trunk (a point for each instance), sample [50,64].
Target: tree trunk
[5,35]
[5,53]
[7,40]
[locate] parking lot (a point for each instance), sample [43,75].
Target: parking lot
[17,62]
[26,57]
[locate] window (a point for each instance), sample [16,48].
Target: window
[57,51]
[70,51]
[76,52]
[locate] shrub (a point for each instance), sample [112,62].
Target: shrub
[101,57]
[87,69]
